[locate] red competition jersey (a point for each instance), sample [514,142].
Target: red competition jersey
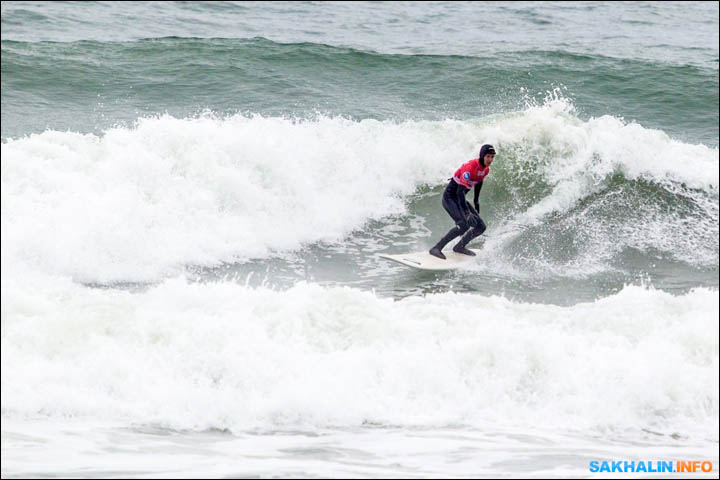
[471,173]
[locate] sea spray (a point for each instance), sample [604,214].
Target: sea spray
[137,204]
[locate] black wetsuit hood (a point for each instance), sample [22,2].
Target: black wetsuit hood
[485,149]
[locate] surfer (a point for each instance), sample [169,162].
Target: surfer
[466,218]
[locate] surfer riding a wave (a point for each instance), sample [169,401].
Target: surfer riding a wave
[467,221]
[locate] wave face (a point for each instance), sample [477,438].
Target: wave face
[220,355]
[137,204]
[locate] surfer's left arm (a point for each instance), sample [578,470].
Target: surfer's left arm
[478,186]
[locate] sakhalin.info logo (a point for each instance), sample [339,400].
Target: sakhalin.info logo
[671,466]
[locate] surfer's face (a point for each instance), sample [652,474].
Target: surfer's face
[489,157]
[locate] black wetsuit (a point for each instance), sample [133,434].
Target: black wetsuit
[460,210]
[467,220]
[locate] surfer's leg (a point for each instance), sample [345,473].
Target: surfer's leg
[461,226]
[460,247]
[472,209]
[456,211]
[454,232]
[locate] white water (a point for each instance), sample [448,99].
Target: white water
[78,449]
[468,370]
[224,356]
[136,204]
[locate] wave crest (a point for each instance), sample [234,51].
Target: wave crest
[137,203]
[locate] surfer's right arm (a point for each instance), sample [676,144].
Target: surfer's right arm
[471,216]
[461,200]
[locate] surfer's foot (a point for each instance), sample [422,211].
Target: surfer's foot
[461,249]
[435,252]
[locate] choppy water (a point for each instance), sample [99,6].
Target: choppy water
[194,196]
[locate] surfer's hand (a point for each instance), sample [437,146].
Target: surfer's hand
[473,220]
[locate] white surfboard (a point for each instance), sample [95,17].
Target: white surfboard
[425,261]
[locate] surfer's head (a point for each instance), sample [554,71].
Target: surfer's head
[487,155]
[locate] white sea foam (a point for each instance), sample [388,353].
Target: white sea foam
[576,157]
[222,355]
[137,203]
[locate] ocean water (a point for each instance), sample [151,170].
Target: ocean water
[194,197]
